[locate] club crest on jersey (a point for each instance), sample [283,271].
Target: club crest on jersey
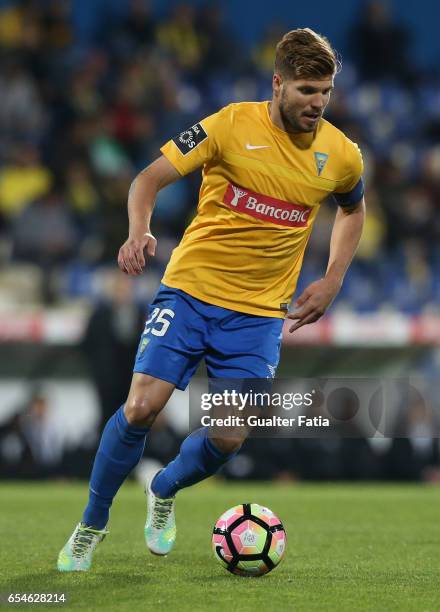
[320,159]
[189,139]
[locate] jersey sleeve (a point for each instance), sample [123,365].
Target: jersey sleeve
[352,188]
[198,144]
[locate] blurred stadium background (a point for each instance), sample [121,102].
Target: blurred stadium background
[89,91]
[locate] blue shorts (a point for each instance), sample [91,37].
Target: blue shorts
[181,330]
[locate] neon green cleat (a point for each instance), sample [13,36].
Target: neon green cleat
[76,556]
[160,528]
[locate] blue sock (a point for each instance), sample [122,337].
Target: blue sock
[198,459]
[120,449]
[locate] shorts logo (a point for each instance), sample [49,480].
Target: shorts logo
[264,207]
[189,139]
[145,342]
[272,370]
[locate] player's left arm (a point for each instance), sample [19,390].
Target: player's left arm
[317,297]
[346,233]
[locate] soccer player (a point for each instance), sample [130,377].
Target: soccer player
[267,167]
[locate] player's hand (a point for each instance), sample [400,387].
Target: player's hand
[313,302]
[131,258]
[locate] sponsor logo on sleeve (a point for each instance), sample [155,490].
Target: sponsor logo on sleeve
[190,139]
[265,207]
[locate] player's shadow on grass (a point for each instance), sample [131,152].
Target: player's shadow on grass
[70,581]
[215,578]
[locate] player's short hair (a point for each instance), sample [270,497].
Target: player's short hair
[304,54]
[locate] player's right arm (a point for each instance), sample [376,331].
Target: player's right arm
[141,199]
[181,155]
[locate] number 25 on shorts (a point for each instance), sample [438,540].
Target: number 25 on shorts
[157,323]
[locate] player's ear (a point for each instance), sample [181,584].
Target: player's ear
[276,83]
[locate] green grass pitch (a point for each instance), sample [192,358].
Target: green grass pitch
[349,547]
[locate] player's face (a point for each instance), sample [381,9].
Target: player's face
[302,102]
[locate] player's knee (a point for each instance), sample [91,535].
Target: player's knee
[229,445]
[146,399]
[140,410]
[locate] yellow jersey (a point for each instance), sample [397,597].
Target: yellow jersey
[261,191]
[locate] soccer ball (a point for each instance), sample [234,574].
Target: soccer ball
[249,540]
